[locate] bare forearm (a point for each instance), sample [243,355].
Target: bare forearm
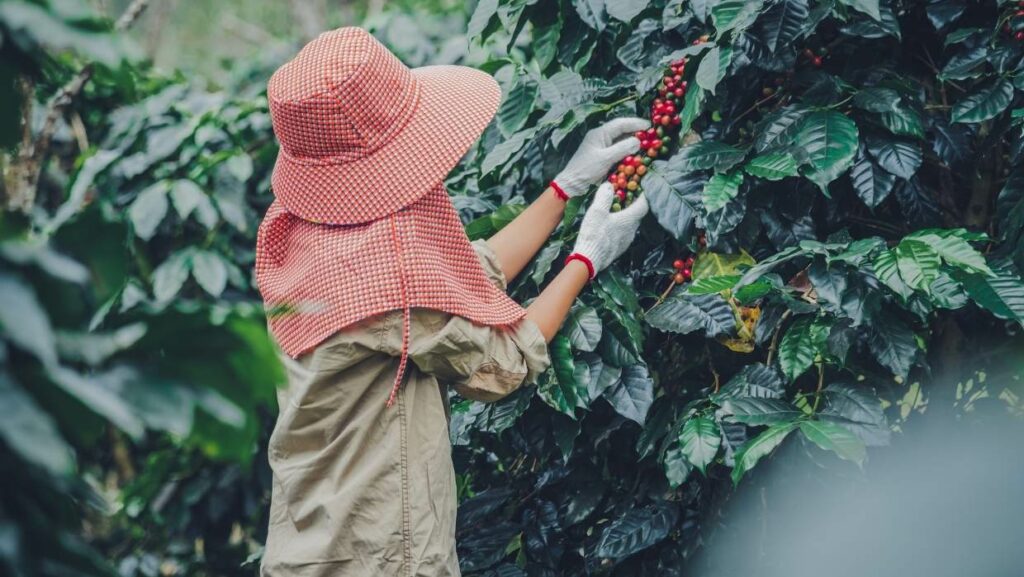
[517,243]
[548,311]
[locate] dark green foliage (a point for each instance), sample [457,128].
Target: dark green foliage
[855,224]
[834,200]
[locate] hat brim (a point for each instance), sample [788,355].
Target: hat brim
[456,104]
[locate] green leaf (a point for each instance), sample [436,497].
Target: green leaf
[833,437]
[592,12]
[485,11]
[749,293]
[619,287]
[626,10]
[486,226]
[830,141]
[705,155]
[760,411]
[30,432]
[104,394]
[693,101]
[872,184]
[210,272]
[783,23]
[583,328]
[720,189]
[877,99]
[712,67]
[677,467]
[735,15]
[804,339]
[93,348]
[682,313]
[869,7]
[636,530]
[170,276]
[148,209]
[633,395]
[633,52]
[918,264]
[858,251]
[985,104]
[898,157]
[773,166]
[188,198]
[1002,294]
[712,284]
[965,63]
[30,21]
[887,270]
[23,320]
[517,106]
[953,249]
[892,343]
[778,128]
[240,166]
[673,202]
[759,447]
[904,122]
[561,392]
[700,440]
[753,380]
[710,264]
[860,410]
[500,154]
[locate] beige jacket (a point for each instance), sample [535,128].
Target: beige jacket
[364,490]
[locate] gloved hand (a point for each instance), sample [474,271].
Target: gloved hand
[605,235]
[600,150]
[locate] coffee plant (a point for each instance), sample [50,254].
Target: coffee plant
[834,247]
[847,187]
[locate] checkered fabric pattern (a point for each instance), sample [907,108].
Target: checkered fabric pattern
[361,134]
[316,279]
[361,223]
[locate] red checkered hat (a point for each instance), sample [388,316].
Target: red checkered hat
[361,134]
[361,223]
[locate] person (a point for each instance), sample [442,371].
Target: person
[379,302]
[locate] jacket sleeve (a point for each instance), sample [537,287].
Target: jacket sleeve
[481,362]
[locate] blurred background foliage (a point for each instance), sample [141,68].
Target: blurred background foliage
[137,379]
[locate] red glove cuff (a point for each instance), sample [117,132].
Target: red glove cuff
[590,266]
[559,192]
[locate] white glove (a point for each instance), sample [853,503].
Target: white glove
[605,235]
[600,150]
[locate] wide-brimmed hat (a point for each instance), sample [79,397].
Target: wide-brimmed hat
[361,223]
[361,134]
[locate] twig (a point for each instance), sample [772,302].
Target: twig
[711,365]
[664,295]
[876,224]
[821,382]
[31,156]
[81,136]
[775,337]
[755,106]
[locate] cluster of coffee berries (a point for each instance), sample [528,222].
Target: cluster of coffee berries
[813,58]
[655,141]
[1014,23]
[626,179]
[684,269]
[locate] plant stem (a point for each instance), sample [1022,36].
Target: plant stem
[755,106]
[775,338]
[821,382]
[620,101]
[664,295]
